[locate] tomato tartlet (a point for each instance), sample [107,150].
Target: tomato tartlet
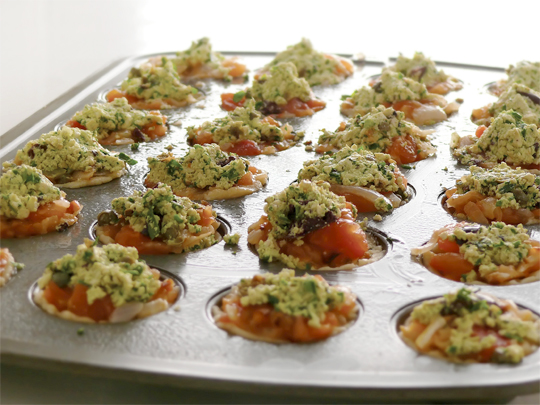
[279,94]
[103,285]
[382,130]
[519,98]
[31,205]
[497,254]
[500,194]
[72,158]
[525,73]
[370,181]
[469,327]
[403,94]
[117,123]
[8,266]
[423,70]
[246,132]
[306,226]
[158,222]
[508,139]
[282,308]
[206,173]
[316,67]
[200,62]
[152,87]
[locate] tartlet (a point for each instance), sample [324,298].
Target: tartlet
[200,62]
[103,285]
[317,68]
[153,87]
[246,132]
[282,308]
[72,158]
[508,139]
[118,123]
[206,173]
[403,94]
[306,226]
[370,181]
[469,327]
[500,194]
[31,205]
[382,130]
[497,254]
[158,222]
[423,70]
[279,94]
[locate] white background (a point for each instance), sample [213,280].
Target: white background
[48,46]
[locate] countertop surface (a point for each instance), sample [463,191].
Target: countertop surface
[47,47]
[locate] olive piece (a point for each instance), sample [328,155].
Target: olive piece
[170,233]
[107,217]
[520,196]
[60,279]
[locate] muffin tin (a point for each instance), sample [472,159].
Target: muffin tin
[184,347]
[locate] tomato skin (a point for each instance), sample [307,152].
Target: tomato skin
[342,236]
[57,296]
[245,147]
[75,124]
[480,130]
[403,150]
[448,246]
[485,355]
[228,103]
[451,265]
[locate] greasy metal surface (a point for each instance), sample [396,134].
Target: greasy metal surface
[185,344]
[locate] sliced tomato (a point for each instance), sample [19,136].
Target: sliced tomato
[403,150]
[485,355]
[57,296]
[451,265]
[448,246]
[207,217]
[342,236]
[228,103]
[75,124]
[245,147]
[480,130]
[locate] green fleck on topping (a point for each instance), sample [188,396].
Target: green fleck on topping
[239,96]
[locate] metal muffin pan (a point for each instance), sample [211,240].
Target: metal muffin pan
[183,346]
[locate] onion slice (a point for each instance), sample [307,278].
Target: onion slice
[366,193]
[126,312]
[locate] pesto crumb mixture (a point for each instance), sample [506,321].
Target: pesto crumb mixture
[390,88]
[151,82]
[314,66]
[525,73]
[375,131]
[300,206]
[203,166]
[112,269]
[308,296]
[513,188]
[508,139]
[242,123]
[118,115]
[355,166]
[491,246]
[419,68]
[521,99]
[468,310]
[280,85]
[60,153]
[23,190]
[200,53]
